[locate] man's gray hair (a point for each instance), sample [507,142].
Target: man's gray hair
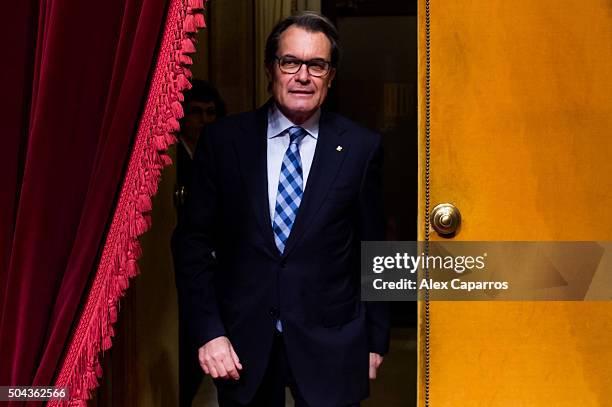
[309,21]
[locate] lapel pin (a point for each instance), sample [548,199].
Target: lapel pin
[339,148]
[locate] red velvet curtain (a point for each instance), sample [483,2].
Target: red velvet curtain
[76,80]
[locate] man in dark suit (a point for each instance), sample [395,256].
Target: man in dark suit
[267,260]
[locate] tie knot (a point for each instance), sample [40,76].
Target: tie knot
[296,133]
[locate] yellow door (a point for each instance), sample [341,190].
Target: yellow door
[520,140]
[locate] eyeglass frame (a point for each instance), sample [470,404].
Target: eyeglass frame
[302,62]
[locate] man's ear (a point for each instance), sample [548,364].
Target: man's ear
[269,77]
[269,68]
[268,72]
[332,75]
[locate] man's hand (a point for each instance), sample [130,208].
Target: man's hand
[375,361]
[218,359]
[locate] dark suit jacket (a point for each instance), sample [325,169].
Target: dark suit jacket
[232,280]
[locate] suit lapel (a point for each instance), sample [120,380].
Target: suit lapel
[326,163]
[251,149]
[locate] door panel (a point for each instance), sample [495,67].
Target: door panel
[521,143]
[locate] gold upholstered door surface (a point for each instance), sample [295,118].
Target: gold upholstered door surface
[521,143]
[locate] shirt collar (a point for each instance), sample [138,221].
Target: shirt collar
[186,147]
[278,123]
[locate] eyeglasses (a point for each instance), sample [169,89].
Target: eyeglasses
[315,67]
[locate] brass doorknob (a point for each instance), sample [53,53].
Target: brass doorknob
[445,219]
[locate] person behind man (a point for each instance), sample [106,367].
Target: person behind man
[268,257]
[203,106]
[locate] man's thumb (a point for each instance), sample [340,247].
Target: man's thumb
[235,357]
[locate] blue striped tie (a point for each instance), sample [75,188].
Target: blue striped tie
[289,195]
[290,189]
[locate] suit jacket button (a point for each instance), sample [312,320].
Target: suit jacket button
[274,312]
[283,264]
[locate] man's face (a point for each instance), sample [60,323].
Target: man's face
[197,115]
[299,95]
[200,114]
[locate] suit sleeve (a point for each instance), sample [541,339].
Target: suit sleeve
[193,246]
[372,228]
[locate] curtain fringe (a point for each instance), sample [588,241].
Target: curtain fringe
[81,368]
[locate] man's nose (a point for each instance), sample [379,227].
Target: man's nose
[302,75]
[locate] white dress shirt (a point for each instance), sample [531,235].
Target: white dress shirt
[278,142]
